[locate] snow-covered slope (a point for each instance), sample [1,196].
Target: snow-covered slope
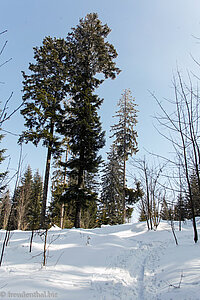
[114,262]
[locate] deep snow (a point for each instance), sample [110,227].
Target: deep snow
[124,262]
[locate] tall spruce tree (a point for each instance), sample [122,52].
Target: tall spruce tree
[89,54]
[44,90]
[125,134]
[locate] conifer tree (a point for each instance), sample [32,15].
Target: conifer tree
[35,202]
[61,212]
[112,190]
[65,219]
[24,199]
[89,214]
[89,210]
[196,198]
[164,214]
[44,90]
[89,54]
[125,134]
[5,206]
[27,202]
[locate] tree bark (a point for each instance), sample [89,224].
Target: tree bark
[3,247]
[124,164]
[124,191]
[148,198]
[45,248]
[31,240]
[77,221]
[62,213]
[46,180]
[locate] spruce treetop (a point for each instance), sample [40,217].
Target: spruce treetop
[89,53]
[44,90]
[124,131]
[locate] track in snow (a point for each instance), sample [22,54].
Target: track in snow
[131,275]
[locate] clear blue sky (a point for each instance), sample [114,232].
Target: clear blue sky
[151,38]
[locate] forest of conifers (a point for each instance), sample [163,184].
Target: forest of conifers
[60,108]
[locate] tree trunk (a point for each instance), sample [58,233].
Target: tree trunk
[180,212]
[45,248]
[148,198]
[173,230]
[46,181]
[124,191]
[77,221]
[3,247]
[45,190]
[62,214]
[186,166]
[7,235]
[124,164]
[31,241]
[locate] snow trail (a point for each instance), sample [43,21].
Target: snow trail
[129,275]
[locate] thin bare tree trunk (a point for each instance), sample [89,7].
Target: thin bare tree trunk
[180,213]
[62,215]
[31,240]
[124,191]
[7,235]
[45,248]
[4,245]
[146,215]
[186,167]
[148,198]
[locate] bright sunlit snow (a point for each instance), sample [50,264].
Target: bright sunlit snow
[113,262]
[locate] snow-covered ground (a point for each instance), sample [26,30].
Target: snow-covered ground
[114,262]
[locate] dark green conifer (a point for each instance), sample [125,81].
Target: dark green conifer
[89,55]
[44,90]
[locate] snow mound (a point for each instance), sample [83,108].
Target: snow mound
[54,227]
